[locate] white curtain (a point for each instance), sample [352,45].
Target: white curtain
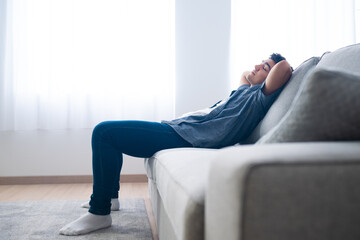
[69,64]
[296,29]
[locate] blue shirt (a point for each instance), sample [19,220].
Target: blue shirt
[227,122]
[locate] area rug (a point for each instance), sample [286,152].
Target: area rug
[43,219]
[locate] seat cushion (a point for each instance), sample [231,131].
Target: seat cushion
[283,102]
[181,175]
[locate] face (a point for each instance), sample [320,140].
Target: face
[259,74]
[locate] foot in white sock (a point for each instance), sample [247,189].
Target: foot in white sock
[87,223]
[115,205]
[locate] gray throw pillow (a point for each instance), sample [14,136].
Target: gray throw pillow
[326,108]
[343,59]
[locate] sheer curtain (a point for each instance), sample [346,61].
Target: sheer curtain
[69,64]
[296,29]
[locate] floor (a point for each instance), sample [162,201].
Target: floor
[38,192]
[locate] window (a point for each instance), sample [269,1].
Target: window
[74,63]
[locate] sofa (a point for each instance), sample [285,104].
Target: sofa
[297,176]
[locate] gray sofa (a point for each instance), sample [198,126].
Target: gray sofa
[297,176]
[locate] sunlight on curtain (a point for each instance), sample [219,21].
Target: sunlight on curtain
[296,29]
[357,20]
[73,63]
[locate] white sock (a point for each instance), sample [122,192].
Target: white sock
[87,223]
[115,205]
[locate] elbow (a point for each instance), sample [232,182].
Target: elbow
[285,67]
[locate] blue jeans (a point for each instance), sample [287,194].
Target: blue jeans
[113,138]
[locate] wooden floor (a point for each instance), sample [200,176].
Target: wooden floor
[39,192]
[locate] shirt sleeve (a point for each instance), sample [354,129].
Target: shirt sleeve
[268,100]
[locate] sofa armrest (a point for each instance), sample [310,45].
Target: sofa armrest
[284,191]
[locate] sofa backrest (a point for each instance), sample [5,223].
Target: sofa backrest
[283,102]
[344,59]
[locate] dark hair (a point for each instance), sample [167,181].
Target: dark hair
[277,57]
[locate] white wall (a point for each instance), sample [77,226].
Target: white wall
[202,53]
[202,77]
[46,153]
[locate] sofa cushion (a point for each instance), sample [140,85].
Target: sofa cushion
[327,108]
[283,102]
[344,59]
[181,175]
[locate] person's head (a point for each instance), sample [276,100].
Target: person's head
[261,71]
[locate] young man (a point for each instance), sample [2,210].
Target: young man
[224,124]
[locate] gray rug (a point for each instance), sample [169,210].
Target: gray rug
[43,219]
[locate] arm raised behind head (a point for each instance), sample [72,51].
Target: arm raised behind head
[277,77]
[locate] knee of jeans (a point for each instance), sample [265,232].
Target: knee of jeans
[100,129]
